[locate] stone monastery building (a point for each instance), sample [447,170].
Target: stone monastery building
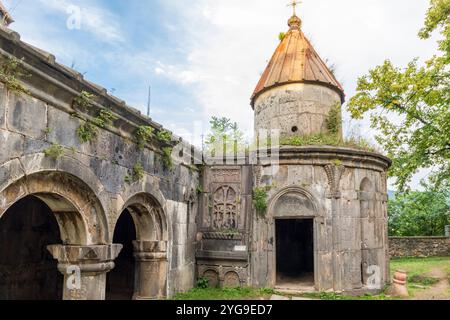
[93,205]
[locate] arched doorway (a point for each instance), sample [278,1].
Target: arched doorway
[294,216]
[120,281]
[27,269]
[141,268]
[52,212]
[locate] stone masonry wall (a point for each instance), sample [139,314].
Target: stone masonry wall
[30,123]
[295,109]
[419,246]
[345,192]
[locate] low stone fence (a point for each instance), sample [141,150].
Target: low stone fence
[419,246]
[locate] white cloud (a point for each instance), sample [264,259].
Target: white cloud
[177,74]
[95,20]
[231,41]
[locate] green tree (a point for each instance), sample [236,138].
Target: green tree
[419,213]
[225,137]
[410,107]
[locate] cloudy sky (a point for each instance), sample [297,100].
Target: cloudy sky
[204,57]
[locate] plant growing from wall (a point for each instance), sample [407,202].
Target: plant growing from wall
[55,152]
[164,136]
[202,283]
[200,190]
[260,198]
[105,118]
[10,73]
[167,157]
[143,135]
[89,129]
[322,139]
[137,174]
[334,120]
[83,101]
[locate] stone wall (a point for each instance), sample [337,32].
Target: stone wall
[344,191]
[419,246]
[89,183]
[224,224]
[295,109]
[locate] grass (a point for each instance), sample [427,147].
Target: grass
[244,293]
[322,139]
[417,269]
[335,296]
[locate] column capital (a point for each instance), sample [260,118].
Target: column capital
[84,269]
[150,250]
[90,259]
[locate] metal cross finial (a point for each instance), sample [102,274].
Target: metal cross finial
[294,4]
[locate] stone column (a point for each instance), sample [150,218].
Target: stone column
[151,270]
[84,269]
[334,174]
[447,231]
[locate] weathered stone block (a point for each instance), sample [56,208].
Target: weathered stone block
[179,234]
[351,273]
[300,176]
[3,102]
[324,270]
[9,173]
[13,144]
[32,145]
[27,115]
[373,233]
[349,231]
[63,134]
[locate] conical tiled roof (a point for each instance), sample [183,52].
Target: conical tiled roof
[296,61]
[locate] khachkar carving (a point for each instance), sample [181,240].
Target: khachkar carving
[225,206]
[334,174]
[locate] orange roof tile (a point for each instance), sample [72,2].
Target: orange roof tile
[296,61]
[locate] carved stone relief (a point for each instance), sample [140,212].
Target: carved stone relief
[225,208]
[334,175]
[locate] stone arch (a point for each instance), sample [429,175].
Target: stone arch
[231,279]
[294,203]
[148,216]
[366,185]
[212,276]
[79,213]
[145,256]
[280,203]
[27,269]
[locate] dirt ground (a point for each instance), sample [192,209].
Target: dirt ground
[439,291]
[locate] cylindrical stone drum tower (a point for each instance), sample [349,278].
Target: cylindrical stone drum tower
[326,223]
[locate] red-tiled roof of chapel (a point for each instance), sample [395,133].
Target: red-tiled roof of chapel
[296,61]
